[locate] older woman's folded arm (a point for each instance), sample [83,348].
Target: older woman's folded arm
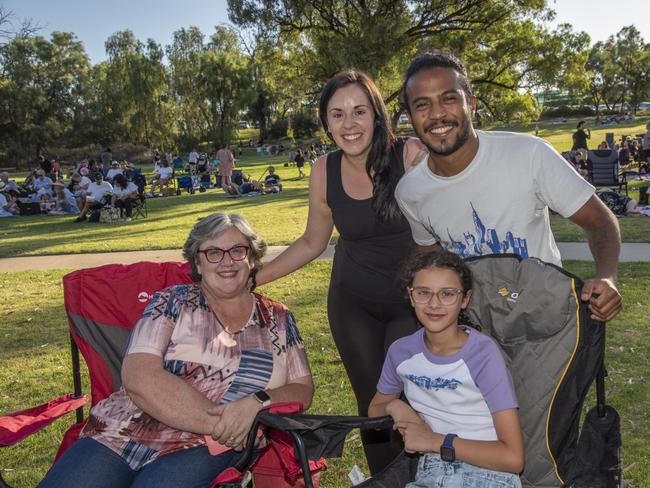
[164,396]
[235,419]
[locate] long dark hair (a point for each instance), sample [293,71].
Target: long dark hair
[418,261]
[383,166]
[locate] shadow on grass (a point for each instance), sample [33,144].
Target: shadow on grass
[34,235]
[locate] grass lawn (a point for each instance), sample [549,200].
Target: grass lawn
[559,135]
[34,363]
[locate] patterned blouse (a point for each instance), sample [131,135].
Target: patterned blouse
[179,326]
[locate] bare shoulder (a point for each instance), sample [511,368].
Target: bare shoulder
[414,152]
[319,170]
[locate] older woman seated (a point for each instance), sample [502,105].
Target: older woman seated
[201,362]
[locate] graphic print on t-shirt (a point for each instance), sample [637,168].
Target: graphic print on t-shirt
[434,384]
[482,241]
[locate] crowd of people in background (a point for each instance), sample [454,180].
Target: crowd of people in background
[82,189]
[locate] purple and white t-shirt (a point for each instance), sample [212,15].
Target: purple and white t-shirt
[457,393]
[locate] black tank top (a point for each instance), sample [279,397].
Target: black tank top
[369,254]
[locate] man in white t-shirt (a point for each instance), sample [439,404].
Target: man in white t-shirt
[95,196]
[489,192]
[114,171]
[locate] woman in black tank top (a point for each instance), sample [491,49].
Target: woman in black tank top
[353,188]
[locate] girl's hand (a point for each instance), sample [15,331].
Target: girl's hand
[402,412]
[418,437]
[235,421]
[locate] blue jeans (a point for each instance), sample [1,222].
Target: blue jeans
[433,472]
[89,464]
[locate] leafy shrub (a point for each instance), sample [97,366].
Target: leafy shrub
[568,111]
[304,125]
[278,128]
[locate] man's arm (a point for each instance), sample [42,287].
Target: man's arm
[604,237]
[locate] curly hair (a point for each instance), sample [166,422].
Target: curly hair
[418,261]
[212,226]
[436,59]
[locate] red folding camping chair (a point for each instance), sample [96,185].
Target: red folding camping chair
[103,304]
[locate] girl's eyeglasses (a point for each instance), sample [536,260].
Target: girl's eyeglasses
[446,296]
[215,255]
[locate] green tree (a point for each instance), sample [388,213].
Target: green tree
[504,42]
[632,58]
[619,69]
[225,84]
[136,90]
[40,93]
[184,56]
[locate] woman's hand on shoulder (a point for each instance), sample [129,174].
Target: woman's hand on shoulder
[414,152]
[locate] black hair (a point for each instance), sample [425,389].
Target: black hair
[580,123]
[383,166]
[436,59]
[120,180]
[419,260]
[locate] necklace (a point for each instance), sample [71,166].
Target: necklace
[226,337]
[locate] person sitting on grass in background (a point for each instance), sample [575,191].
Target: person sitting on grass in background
[8,201]
[114,171]
[463,410]
[272,182]
[9,184]
[98,190]
[65,203]
[42,186]
[161,177]
[620,205]
[124,194]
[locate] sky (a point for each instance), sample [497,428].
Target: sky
[93,21]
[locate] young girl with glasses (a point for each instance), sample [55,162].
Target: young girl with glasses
[462,410]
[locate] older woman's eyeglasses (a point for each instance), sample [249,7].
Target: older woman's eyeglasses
[215,255]
[446,296]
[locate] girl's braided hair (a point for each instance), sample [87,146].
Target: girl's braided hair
[419,260]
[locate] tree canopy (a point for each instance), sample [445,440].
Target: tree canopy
[269,67]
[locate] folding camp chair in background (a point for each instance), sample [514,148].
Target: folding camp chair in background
[603,169]
[140,204]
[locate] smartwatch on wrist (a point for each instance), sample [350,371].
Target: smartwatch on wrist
[262,397]
[447,451]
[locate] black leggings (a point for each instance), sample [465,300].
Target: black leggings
[362,331]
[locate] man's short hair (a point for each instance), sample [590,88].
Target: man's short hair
[437,59]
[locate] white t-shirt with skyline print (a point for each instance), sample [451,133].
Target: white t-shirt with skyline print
[499,203]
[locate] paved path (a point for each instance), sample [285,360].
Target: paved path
[569,250]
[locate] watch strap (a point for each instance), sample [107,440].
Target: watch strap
[262,397]
[447,451]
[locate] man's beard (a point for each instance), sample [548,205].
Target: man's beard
[444,149]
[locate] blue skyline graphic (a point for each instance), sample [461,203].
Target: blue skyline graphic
[434,384]
[482,241]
